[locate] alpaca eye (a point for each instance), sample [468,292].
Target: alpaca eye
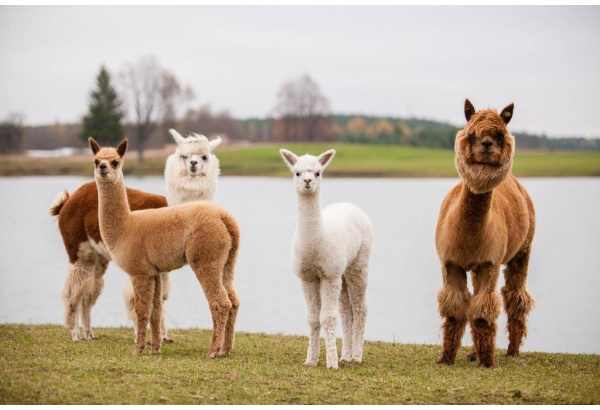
[297,174]
[500,138]
[472,138]
[204,157]
[115,163]
[317,174]
[183,156]
[96,162]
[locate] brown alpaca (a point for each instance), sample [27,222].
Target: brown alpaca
[146,243]
[485,221]
[88,257]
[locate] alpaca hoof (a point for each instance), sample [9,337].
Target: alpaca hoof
[472,357]
[212,355]
[444,360]
[486,364]
[357,359]
[167,340]
[155,350]
[332,366]
[309,364]
[512,353]
[345,360]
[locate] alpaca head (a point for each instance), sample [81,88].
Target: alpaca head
[484,148]
[193,153]
[307,169]
[108,162]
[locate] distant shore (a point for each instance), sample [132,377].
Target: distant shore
[352,160]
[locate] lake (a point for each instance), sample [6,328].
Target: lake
[564,273]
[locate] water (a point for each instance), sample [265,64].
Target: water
[564,274]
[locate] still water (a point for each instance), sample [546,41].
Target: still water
[564,273]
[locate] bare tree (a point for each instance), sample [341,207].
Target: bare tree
[152,94]
[302,112]
[11,134]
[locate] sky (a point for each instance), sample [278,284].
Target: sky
[387,60]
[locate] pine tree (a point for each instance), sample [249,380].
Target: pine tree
[103,121]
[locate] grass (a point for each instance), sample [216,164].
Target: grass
[41,365]
[352,160]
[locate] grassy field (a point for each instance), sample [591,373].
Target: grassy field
[352,160]
[41,365]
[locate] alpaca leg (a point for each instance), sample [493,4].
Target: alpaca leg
[346,316]
[156,315]
[231,319]
[218,302]
[517,300]
[312,297]
[483,312]
[143,289]
[166,289]
[330,298]
[95,287]
[357,289]
[453,302]
[73,292]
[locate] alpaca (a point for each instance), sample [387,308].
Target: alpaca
[485,221]
[191,174]
[146,243]
[330,255]
[88,257]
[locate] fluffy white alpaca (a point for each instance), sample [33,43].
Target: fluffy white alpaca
[191,174]
[192,171]
[330,255]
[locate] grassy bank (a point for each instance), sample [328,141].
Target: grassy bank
[40,365]
[352,160]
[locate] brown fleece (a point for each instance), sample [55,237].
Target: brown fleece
[485,221]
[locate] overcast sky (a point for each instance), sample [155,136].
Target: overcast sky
[392,60]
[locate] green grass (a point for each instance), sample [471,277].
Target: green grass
[41,365]
[352,160]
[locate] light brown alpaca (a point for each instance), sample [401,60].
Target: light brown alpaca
[88,257]
[146,243]
[485,221]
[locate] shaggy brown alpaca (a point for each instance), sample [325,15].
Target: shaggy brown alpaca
[146,243]
[485,221]
[88,257]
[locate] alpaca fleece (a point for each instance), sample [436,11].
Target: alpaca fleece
[146,243]
[486,220]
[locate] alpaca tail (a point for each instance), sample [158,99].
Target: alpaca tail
[234,233]
[58,202]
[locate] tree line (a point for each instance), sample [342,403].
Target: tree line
[147,97]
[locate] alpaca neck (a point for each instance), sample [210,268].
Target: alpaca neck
[310,219]
[474,208]
[113,211]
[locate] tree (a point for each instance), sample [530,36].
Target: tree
[11,134]
[152,94]
[303,112]
[103,121]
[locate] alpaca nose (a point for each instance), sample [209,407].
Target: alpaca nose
[307,181]
[487,143]
[194,163]
[102,167]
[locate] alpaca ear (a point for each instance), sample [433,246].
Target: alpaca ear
[326,157]
[288,157]
[214,144]
[94,145]
[507,113]
[122,148]
[177,136]
[469,109]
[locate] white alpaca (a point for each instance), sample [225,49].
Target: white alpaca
[191,174]
[330,255]
[192,171]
